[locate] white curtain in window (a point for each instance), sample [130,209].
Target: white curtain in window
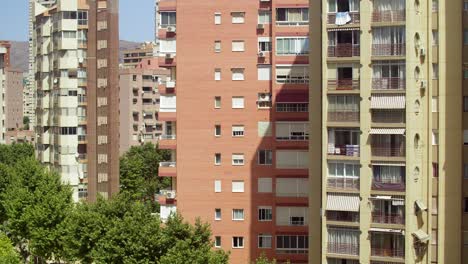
[393,5]
[238,102]
[343,236]
[389,174]
[388,35]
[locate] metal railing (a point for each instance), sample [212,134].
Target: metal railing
[343,216]
[388,116]
[389,16]
[344,150]
[344,50]
[383,218]
[292,107]
[343,116]
[396,49]
[343,183]
[343,84]
[343,248]
[388,151]
[388,83]
[388,252]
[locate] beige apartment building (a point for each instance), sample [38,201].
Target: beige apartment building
[75,47]
[386,101]
[139,104]
[235,108]
[11,94]
[133,57]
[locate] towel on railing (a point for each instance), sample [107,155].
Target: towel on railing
[342,18]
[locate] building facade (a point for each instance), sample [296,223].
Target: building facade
[11,94]
[235,108]
[139,104]
[75,49]
[386,99]
[133,57]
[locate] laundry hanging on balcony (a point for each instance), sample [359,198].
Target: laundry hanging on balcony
[342,18]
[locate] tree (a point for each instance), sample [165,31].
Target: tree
[264,260]
[35,204]
[26,122]
[139,172]
[11,154]
[7,252]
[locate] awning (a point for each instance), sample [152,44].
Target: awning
[421,236]
[388,102]
[386,230]
[343,29]
[388,164]
[292,98]
[420,205]
[387,131]
[343,202]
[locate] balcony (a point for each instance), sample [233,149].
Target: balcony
[388,252]
[343,84]
[388,143]
[391,151]
[166,197]
[385,218]
[343,248]
[340,183]
[339,18]
[343,150]
[385,116]
[379,185]
[167,142]
[388,16]
[167,169]
[388,83]
[343,116]
[389,50]
[341,216]
[344,50]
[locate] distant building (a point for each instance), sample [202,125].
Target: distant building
[19,136]
[11,89]
[139,104]
[132,57]
[29,106]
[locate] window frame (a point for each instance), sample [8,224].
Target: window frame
[266,209]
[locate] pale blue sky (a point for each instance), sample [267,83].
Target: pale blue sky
[136,20]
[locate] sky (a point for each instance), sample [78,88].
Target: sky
[136,20]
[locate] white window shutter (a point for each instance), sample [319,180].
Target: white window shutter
[264,72]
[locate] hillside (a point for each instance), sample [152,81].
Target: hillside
[19,53]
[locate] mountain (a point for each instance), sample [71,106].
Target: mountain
[20,49]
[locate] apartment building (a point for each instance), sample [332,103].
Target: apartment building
[75,45]
[389,116]
[235,108]
[139,104]
[29,101]
[133,57]
[11,94]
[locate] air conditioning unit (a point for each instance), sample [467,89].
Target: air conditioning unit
[261,54]
[260,26]
[422,52]
[169,56]
[170,194]
[170,84]
[171,29]
[423,85]
[264,97]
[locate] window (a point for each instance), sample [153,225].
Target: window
[465,37]
[265,185]
[238,102]
[264,44]
[292,16]
[465,171]
[264,241]
[264,129]
[237,159]
[265,213]
[167,19]
[238,17]
[265,157]
[237,214]
[82,18]
[435,104]
[292,131]
[435,71]
[217,75]
[292,159]
[291,216]
[465,137]
[435,137]
[292,187]
[238,131]
[217,47]
[465,103]
[264,100]
[217,243]
[238,45]
[237,186]
[292,244]
[217,101]
[343,174]
[237,74]
[465,5]
[292,46]
[435,37]
[264,72]
[264,17]
[218,214]
[217,18]
[292,74]
[435,5]
[217,130]
[68,15]
[465,205]
[238,242]
[218,159]
[217,186]
[167,45]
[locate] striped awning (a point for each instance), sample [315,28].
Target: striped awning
[343,202]
[343,29]
[388,102]
[387,131]
[421,236]
[386,230]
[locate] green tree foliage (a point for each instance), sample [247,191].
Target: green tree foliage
[264,260]
[139,172]
[10,154]
[8,254]
[26,122]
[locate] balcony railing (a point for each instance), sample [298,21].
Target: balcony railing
[342,216]
[389,16]
[355,17]
[397,49]
[388,83]
[82,156]
[382,218]
[344,50]
[388,116]
[388,252]
[343,84]
[386,186]
[388,151]
[343,183]
[81,137]
[167,137]
[168,164]
[344,150]
[292,107]
[343,248]
[343,116]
